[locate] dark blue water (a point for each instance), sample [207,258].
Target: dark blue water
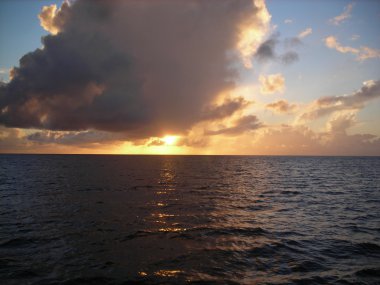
[189,220]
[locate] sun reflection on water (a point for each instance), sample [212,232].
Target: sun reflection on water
[167,273]
[162,215]
[172,230]
[166,184]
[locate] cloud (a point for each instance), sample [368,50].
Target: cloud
[332,42]
[104,68]
[5,75]
[305,33]
[355,101]
[281,106]
[253,30]
[226,109]
[339,141]
[53,19]
[292,42]
[301,140]
[242,125]
[288,21]
[361,53]
[340,122]
[267,50]
[289,57]
[4,70]
[273,83]
[11,140]
[355,37]
[75,137]
[156,142]
[344,16]
[367,53]
[297,41]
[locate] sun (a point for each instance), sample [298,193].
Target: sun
[169,140]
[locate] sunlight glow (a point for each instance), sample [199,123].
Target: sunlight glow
[170,140]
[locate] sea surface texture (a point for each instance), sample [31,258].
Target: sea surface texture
[78,219]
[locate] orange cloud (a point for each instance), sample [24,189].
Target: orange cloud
[52,19]
[332,42]
[274,83]
[344,16]
[305,33]
[281,106]
[361,53]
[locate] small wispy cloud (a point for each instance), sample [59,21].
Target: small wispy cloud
[332,42]
[367,53]
[305,33]
[362,53]
[355,37]
[288,21]
[344,16]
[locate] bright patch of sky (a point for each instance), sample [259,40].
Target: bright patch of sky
[321,71]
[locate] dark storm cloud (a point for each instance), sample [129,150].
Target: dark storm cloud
[242,125]
[142,67]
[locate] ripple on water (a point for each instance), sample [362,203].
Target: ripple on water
[189,219]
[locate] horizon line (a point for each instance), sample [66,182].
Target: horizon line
[152,154]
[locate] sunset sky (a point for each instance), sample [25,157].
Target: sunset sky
[190,77]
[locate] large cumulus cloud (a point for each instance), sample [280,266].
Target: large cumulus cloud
[140,67]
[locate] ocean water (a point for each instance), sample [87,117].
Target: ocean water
[82,219]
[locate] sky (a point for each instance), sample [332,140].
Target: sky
[245,77]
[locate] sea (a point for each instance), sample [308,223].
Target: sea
[120,219]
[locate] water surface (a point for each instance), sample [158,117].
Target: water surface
[82,219]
